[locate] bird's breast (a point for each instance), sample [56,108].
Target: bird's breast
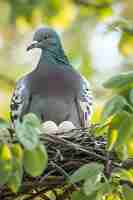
[50,107]
[54,83]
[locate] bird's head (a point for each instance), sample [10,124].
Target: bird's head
[48,41]
[45,38]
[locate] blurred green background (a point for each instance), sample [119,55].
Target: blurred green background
[83,26]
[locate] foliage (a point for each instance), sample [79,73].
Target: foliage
[26,153]
[28,131]
[50,9]
[119,112]
[126,41]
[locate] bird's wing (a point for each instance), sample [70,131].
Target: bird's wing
[19,100]
[85,101]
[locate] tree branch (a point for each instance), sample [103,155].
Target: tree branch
[90,3]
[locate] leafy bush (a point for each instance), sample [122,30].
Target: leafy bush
[24,153]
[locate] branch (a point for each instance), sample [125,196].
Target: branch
[90,3]
[127,164]
[124,182]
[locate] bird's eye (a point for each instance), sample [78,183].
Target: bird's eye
[46,37]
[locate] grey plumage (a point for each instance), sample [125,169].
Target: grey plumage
[54,90]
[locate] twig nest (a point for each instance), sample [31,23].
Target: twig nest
[65,126]
[49,127]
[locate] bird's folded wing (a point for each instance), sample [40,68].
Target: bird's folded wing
[19,101]
[85,101]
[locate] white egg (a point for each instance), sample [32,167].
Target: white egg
[65,126]
[49,127]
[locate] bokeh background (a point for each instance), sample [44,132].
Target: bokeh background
[95,50]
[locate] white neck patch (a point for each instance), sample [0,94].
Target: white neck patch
[34,56]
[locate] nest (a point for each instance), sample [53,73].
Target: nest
[67,152]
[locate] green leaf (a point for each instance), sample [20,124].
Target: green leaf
[6,164]
[115,105]
[27,134]
[120,81]
[122,151]
[28,131]
[123,122]
[127,192]
[86,171]
[5,171]
[79,195]
[92,184]
[112,138]
[131,96]
[15,179]
[126,44]
[35,161]
[17,151]
[32,119]
[123,24]
[126,175]
[101,129]
[105,188]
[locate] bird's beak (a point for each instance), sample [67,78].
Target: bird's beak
[34,44]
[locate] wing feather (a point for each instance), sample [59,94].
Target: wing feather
[19,100]
[85,102]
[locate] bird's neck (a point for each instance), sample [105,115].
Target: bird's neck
[54,56]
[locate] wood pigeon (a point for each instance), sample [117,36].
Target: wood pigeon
[54,90]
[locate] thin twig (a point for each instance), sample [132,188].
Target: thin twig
[60,169]
[79,147]
[33,196]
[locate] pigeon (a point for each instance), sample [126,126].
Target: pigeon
[54,90]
